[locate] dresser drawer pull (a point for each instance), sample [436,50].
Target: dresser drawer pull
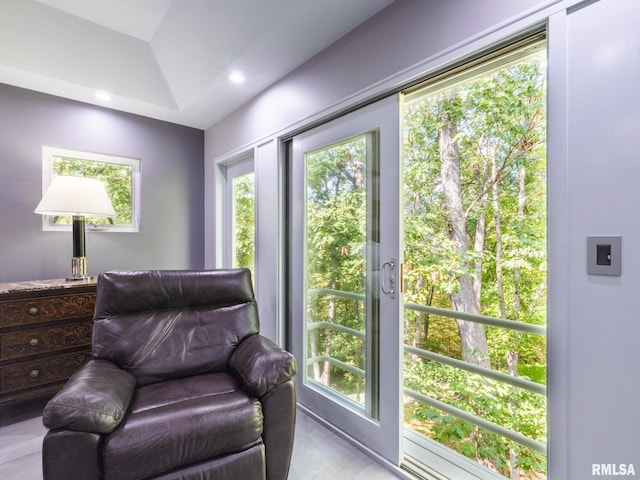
[33,342]
[35,373]
[33,311]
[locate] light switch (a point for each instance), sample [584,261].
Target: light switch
[604,255]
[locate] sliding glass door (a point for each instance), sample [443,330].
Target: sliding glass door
[418,275]
[345,259]
[475,243]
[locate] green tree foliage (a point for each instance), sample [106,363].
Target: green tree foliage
[474,223]
[244,221]
[498,125]
[489,398]
[336,259]
[118,180]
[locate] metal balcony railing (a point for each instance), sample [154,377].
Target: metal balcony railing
[452,362]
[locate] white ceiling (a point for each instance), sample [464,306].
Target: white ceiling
[167,59]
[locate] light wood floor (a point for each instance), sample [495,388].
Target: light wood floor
[318,453]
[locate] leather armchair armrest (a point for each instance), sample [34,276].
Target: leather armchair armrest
[260,365]
[95,399]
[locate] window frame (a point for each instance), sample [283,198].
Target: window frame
[238,166]
[424,455]
[50,153]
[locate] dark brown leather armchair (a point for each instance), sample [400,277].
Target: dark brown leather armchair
[181,385]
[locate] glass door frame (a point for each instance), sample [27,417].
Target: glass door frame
[382,435]
[228,171]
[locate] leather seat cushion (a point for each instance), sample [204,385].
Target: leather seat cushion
[181,422]
[246,465]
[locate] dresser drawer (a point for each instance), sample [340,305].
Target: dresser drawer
[42,309]
[45,335]
[42,340]
[31,374]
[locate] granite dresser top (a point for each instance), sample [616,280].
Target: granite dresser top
[35,285]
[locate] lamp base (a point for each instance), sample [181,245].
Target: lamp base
[78,269]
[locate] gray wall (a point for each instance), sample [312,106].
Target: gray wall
[594,121]
[172,205]
[602,54]
[406,32]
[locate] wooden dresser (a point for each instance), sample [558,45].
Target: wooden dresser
[45,335]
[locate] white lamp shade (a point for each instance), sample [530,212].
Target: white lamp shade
[76,196]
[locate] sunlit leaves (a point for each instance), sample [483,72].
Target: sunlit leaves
[118,180]
[244,221]
[500,136]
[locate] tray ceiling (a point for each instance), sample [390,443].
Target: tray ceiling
[167,59]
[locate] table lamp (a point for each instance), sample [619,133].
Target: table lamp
[78,197]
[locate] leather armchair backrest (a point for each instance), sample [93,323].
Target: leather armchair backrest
[165,324]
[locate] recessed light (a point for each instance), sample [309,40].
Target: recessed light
[104,96]
[236,77]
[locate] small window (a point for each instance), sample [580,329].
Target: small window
[243,217]
[121,176]
[239,207]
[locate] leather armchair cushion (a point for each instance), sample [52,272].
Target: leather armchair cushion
[95,399]
[171,344]
[246,465]
[177,324]
[71,455]
[142,291]
[182,422]
[261,365]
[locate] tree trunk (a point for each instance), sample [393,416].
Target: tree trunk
[496,218]
[472,335]
[478,242]
[325,377]
[427,317]
[322,371]
[417,334]
[517,306]
[512,355]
